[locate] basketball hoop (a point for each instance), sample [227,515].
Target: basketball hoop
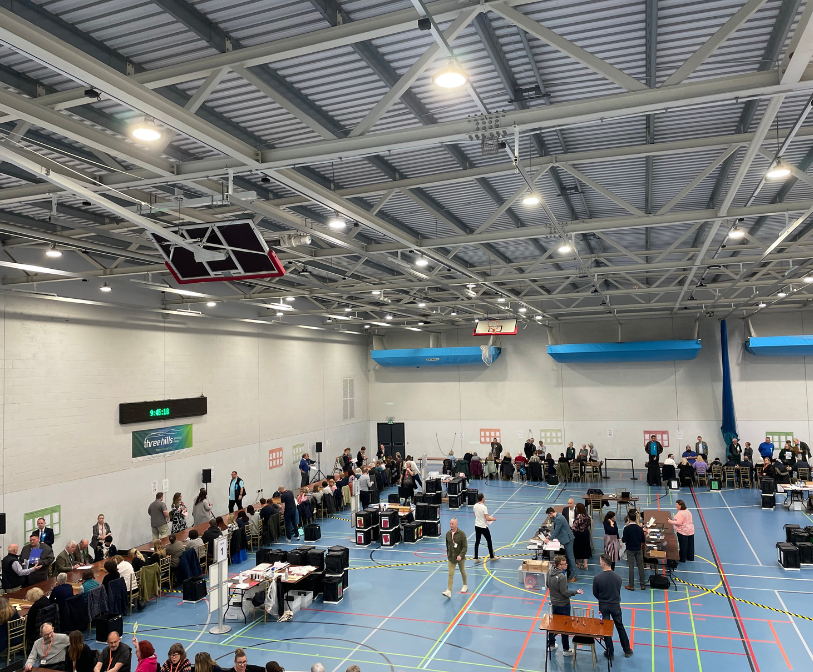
[494,327]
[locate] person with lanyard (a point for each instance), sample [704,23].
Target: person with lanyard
[380,453]
[177,660]
[496,449]
[766,448]
[49,650]
[115,657]
[237,491]
[305,470]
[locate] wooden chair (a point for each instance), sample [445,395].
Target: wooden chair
[593,473]
[228,547]
[730,476]
[203,558]
[582,642]
[133,591]
[263,589]
[758,472]
[595,506]
[745,477]
[254,534]
[803,473]
[165,577]
[703,479]
[717,472]
[16,631]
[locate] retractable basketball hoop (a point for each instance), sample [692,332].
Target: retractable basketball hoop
[492,327]
[246,256]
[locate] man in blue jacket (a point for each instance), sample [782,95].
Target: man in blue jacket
[562,532]
[305,470]
[766,448]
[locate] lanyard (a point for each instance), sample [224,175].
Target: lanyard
[45,654]
[110,662]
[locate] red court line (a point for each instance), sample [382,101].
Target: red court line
[733,604]
[668,622]
[779,644]
[632,630]
[528,636]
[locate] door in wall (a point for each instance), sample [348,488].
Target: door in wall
[392,436]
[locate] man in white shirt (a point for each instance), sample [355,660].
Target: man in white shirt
[670,460]
[49,650]
[702,448]
[570,512]
[481,521]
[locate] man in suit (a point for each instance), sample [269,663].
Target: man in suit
[804,449]
[562,532]
[81,556]
[46,534]
[570,512]
[46,558]
[347,462]
[64,561]
[702,448]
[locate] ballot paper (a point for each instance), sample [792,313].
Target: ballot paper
[83,567]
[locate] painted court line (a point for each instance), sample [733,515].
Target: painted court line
[795,627]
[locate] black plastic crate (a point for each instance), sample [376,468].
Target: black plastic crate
[456,501]
[345,554]
[363,520]
[768,501]
[796,536]
[391,537]
[805,549]
[363,537]
[316,558]
[334,562]
[388,519]
[788,555]
[332,589]
[471,496]
[434,498]
[456,486]
[375,515]
[789,529]
[432,485]
[412,532]
[431,528]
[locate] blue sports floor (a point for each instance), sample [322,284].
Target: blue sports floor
[395,618]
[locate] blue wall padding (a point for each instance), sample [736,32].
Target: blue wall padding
[432,356]
[780,346]
[640,351]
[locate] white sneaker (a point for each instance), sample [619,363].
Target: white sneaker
[552,648]
[569,652]
[464,589]
[447,593]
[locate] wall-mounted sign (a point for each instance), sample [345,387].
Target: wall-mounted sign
[154,442]
[167,409]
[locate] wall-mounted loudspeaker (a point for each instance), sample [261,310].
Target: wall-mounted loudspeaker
[318,446]
[2,523]
[206,476]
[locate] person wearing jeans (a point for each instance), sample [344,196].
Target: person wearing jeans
[456,547]
[560,600]
[635,538]
[607,590]
[562,532]
[481,521]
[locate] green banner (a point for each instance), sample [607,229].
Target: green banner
[153,442]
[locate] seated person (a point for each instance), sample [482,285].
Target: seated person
[520,459]
[686,473]
[716,463]
[174,550]
[782,473]
[689,455]
[801,464]
[105,549]
[89,582]
[700,467]
[159,552]
[194,540]
[137,558]
[212,532]
[768,470]
[730,462]
[62,590]
[670,460]
[242,520]
[562,459]
[112,569]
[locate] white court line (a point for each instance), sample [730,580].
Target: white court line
[744,536]
[795,627]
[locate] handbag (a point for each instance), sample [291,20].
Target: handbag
[407,482]
[622,550]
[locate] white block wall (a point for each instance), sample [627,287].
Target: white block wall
[67,367]
[525,389]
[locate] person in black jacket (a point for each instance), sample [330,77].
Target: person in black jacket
[38,601]
[496,449]
[79,657]
[686,473]
[653,449]
[734,451]
[529,448]
[634,537]
[347,462]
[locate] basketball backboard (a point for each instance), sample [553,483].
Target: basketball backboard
[495,328]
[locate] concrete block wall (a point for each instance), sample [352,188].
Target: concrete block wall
[67,366]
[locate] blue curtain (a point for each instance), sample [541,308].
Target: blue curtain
[729,426]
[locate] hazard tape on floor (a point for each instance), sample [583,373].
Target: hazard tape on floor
[739,599]
[425,562]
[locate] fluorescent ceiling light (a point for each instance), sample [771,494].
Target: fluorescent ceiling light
[376,291]
[388,317]
[366,326]
[166,288]
[421,305]
[38,269]
[146,131]
[347,310]
[530,199]
[280,314]
[808,279]
[381,324]
[414,329]
[290,298]
[211,304]
[450,77]
[523,309]
[420,324]
[256,321]
[782,295]
[279,306]
[453,313]
[53,252]
[564,248]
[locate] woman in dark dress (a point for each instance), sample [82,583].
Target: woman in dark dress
[80,657]
[581,536]
[611,544]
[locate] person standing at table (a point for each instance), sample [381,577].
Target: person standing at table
[100,530]
[748,453]
[456,547]
[634,538]
[237,490]
[286,498]
[159,517]
[37,550]
[804,449]
[115,657]
[607,590]
[202,508]
[13,572]
[481,521]
[684,529]
[46,534]
[564,535]
[653,448]
[305,470]
[178,513]
[702,448]
[496,449]
[560,600]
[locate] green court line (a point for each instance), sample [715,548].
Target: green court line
[694,632]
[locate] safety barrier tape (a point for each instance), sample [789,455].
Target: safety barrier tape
[739,599]
[346,520]
[426,562]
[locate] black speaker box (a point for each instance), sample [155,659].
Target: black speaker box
[318,446]
[206,476]
[2,523]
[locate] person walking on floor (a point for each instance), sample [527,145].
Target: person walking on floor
[607,590]
[237,490]
[684,529]
[611,538]
[456,547]
[634,537]
[481,521]
[562,532]
[560,600]
[159,517]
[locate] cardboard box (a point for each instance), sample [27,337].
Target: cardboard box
[536,566]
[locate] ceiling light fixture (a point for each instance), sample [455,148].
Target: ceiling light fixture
[778,170]
[450,77]
[53,251]
[736,233]
[388,317]
[336,222]
[530,199]
[564,248]
[422,261]
[453,313]
[146,131]
[376,291]
[106,288]
[501,299]
[523,309]
[782,295]
[211,304]
[421,324]
[762,304]
[808,279]
[421,305]
[366,326]
[290,298]
[280,314]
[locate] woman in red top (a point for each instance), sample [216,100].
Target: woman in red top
[684,529]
